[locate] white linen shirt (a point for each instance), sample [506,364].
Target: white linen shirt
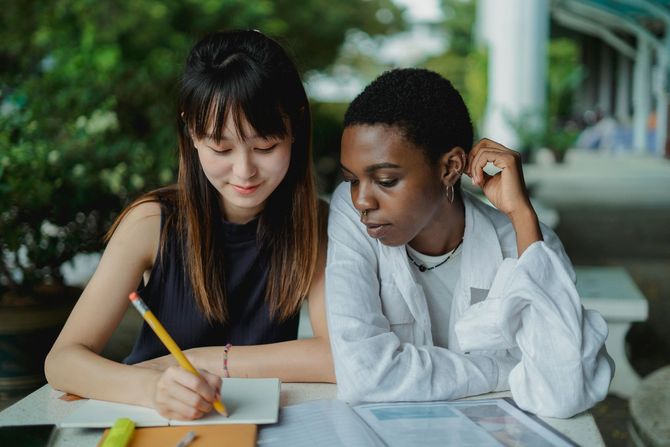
[515,324]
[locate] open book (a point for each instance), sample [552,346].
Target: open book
[248,401]
[489,422]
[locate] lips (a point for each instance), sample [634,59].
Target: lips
[376,230]
[245,190]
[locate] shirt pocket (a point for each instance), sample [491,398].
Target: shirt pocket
[395,309]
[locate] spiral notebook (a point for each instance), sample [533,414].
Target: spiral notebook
[248,401]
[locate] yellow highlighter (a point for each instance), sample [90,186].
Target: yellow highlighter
[169,343]
[120,433]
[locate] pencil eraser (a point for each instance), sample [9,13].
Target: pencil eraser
[133,296]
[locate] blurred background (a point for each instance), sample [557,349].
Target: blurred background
[579,87]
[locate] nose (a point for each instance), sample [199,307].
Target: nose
[244,167]
[363,198]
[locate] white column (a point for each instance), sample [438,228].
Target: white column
[622,112]
[641,94]
[605,80]
[517,42]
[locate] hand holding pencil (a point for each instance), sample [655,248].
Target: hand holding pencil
[170,344]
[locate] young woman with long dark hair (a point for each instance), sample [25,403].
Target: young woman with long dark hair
[225,257]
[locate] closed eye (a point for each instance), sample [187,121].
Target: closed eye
[387,183]
[219,151]
[264,150]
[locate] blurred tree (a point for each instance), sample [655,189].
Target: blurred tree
[463,63]
[87,106]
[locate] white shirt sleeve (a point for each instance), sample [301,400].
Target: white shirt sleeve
[533,305]
[371,362]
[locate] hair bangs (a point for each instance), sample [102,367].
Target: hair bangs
[240,88]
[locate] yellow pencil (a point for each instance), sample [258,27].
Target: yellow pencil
[169,343]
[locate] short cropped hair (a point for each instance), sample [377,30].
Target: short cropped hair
[423,105]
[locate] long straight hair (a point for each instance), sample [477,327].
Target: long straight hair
[248,75]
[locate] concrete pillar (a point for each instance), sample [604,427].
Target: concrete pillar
[641,94]
[589,86]
[517,44]
[622,111]
[605,80]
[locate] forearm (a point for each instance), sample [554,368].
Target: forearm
[78,370]
[527,228]
[306,360]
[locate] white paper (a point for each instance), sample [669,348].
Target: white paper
[425,423]
[318,423]
[491,422]
[248,401]
[331,423]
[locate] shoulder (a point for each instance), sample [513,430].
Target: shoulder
[340,201]
[139,229]
[344,223]
[142,214]
[342,211]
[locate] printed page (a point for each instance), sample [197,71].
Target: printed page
[423,423]
[509,425]
[318,423]
[491,422]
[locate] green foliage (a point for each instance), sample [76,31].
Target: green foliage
[463,64]
[564,76]
[327,136]
[87,113]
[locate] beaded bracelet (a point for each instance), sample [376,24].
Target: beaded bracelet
[226,348]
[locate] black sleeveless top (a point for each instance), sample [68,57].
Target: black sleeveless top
[170,297]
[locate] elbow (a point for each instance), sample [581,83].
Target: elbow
[562,401]
[354,392]
[51,369]
[355,389]
[328,365]
[326,368]
[350,393]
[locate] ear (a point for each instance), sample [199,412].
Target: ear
[452,165]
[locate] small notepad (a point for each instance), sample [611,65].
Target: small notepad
[248,401]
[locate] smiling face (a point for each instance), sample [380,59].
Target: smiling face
[392,180]
[243,167]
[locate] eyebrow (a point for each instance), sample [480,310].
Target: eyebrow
[372,168]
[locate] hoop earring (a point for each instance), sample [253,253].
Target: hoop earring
[450,197]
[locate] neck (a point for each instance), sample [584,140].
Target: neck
[444,231]
[239,215]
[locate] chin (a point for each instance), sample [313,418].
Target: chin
[391,242]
